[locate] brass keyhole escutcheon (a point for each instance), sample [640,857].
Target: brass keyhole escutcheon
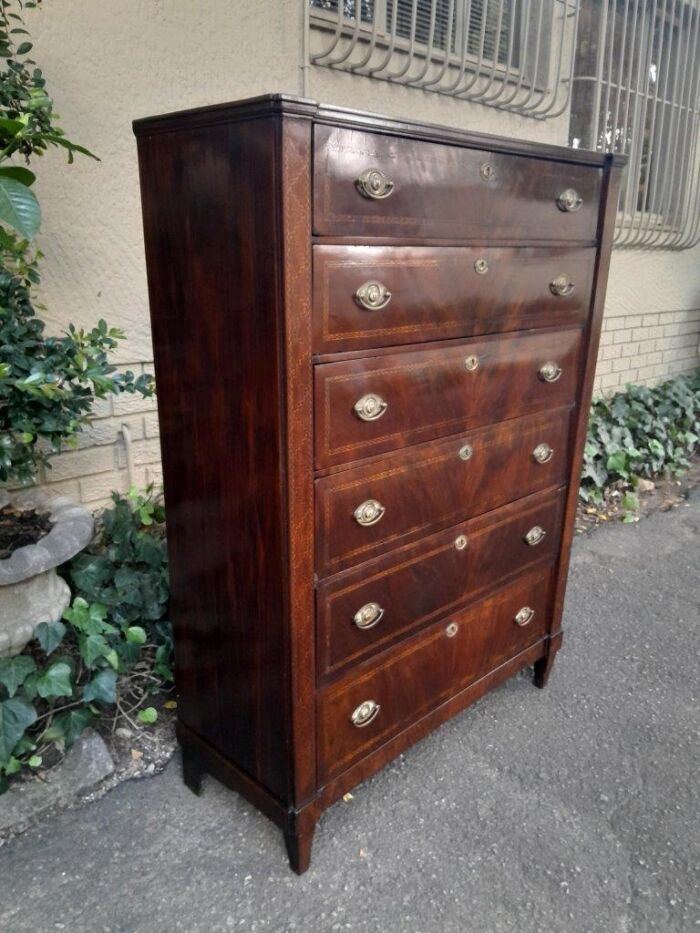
[535,535]
[524,616]
[562,286]
[373,296]
[569,201]
[466,451]
[471,363]
[370,407]
[487,171]
[369,513]
[543,453]
[451,630]
[550,371]
[461,542]
[481,266]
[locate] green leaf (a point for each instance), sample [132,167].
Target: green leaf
[102,688]
[14,671]
[630,501]
[13,765]
[10,127]
[19,173]
[16,716]
[50,635]
[92,648]
[24,47]
[68,726]
[148,715]
[35,761]
[136,635]
[19,208]
[55,681]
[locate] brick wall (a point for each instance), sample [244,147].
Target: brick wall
[98,464]
[646,348]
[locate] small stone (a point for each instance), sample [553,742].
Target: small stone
[123,733]
[645,485]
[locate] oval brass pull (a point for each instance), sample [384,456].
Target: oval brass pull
[373,296]
[370,407]
[487,171]
[451,630]
[369,513]
[365,713]
[569,201]
[550,371]
[471,363]
[543,453]
[535,535]
[481,266]
[561,286]
[466,452]
[370,615]
[524,615]
[461,542]
[374,184]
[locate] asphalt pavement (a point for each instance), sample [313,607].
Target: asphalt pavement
[568,810]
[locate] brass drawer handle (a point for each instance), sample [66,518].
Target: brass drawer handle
[535,535]
[481,266]
[487,171]
[374,184]
[466,452]
[370,407]
[550,371]
[369,513]
[451,630]
[471,363]
[524,616]
[461,542]
[373,296]
[569,201]
[561,286]
[543,453]
[365,713]
[370,615]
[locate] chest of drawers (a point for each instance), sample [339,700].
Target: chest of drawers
[374,348]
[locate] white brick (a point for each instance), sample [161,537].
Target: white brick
[146,452]
[128,404]
[151,425]
[82,463]
[70,488]
[620,365]
[622,336]
[100,488]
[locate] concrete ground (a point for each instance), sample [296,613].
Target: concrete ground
[569,810]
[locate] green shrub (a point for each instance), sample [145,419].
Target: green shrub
[113,647]
[641,433]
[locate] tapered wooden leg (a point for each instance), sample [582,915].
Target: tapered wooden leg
[299,849]
[192,772]
[543,667]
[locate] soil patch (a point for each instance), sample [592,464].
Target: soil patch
[660,495]
[20,527]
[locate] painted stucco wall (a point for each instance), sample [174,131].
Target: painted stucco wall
[108,63]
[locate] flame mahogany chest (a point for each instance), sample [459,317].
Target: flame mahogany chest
[375,343]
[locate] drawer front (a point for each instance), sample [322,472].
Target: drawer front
[426,671]
[367,609]
[436,485]
[374,404]
[373,296]
[435,190]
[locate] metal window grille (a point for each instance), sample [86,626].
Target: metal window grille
[637,90]
[513,54]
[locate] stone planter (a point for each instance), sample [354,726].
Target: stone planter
[30,589]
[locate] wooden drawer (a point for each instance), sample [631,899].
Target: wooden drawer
[447,191]
[431,486]
[419,584]
[437,391]
[437,292]
[426,670]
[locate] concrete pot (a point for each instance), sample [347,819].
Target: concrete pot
[30,589]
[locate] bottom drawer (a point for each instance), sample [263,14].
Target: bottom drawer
[359,713]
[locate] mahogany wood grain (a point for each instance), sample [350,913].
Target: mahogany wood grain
[439,191]
[425,670]
[429,487]
[436,292]
[424,582]
[236,198]
[431,393]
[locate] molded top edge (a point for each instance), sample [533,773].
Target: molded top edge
[274,104]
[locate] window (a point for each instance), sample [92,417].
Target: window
[504,53]
[637,90]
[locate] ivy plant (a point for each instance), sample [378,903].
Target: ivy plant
[112,648]
[641,432]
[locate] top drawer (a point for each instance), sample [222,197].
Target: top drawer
[447,192]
